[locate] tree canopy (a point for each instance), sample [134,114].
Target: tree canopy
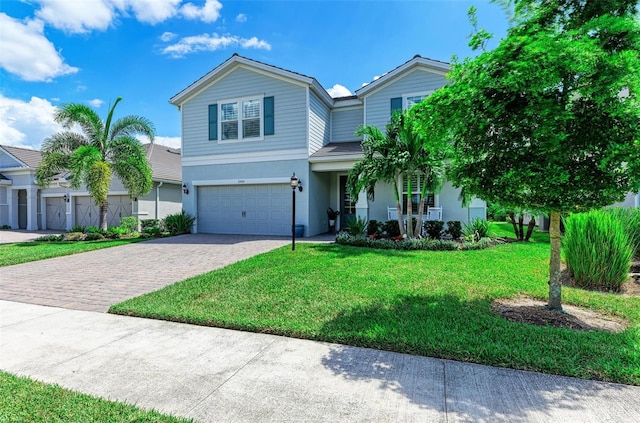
[550,119]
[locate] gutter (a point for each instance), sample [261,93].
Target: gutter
[158,197]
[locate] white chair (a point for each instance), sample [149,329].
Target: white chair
[434,213]
[392,213]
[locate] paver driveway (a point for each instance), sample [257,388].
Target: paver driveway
[95,280]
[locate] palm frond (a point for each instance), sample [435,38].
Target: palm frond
[51,165]
[82,115]
[81,165]
[65,142]
[129,162]
[131,125]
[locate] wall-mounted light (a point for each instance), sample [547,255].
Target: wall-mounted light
[185,189]
[66,198]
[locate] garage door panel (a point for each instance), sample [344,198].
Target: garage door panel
[245,209]
[56,213]
[88,214]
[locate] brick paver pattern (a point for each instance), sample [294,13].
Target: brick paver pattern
[95,280]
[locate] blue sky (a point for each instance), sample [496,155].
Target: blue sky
[92,51]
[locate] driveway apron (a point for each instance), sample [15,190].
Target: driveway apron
[95,280]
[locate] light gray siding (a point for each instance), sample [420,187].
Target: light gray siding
[7,161]
[378,103]
[290,114]
[319,127]
[160,202]
[249,171]
[344,123]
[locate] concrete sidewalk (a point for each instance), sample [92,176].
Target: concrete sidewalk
[212,374]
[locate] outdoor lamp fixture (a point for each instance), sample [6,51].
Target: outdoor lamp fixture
[295,183]
[66,198]
[185,189]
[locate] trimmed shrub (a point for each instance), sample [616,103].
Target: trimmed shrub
[454,229]
[149,223]
[73,236]
[476,230]
[129,223]
[597,250]
[374,227]
[154,231]
[179,223]
[391,229]
[433,228]
[93,236]
[49,238]
[78,228]
[357,225]
[94,229]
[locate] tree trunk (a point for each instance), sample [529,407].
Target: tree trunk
[521,227]
[409,212]
[103,215]
[418,229]
[400,221]
[555,285]
[532,224]
[512,216]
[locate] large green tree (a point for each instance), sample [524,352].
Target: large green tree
[95,152]
[397,154]
[550,119]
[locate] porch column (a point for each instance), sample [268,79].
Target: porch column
[12,207]
[69,211]
[32,208]
[362,206]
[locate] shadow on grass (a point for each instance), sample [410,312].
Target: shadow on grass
[446,327]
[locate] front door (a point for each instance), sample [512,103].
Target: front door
[347,204]
[22,209]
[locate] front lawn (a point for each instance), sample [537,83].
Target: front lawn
[24,252]
[25,400]
[432,303]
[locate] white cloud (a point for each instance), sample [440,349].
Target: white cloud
[168,36]
[241,18]
[210,12]
[153,11]
[26,124]
[338,91]
[212,42]
[82,16]
[96,102]
[26,52]
[76,16]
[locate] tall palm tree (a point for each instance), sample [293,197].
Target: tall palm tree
[99,150]
[400,153]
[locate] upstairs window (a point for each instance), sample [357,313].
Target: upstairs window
[245,119]
[241,119]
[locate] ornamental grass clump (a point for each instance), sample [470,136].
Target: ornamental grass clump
[597,250]
[630,218]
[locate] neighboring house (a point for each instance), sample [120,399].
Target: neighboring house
[248,126]
[24,205]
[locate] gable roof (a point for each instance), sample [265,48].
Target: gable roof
[27,158]
[235,60]
[416,61]
[165,162]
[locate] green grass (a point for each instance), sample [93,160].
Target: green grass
[25,400]
[433,303]
[24,252]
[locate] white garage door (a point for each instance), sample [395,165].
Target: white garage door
[56,213]
[88,214]
[245,209]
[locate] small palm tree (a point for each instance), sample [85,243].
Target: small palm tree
[99,150]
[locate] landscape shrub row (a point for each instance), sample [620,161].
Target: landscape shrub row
[346,238]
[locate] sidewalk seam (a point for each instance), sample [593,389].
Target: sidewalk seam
[444,390]
[217,388]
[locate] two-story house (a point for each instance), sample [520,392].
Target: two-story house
[25,205]
[248,126]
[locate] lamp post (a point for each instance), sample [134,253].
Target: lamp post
[295,183]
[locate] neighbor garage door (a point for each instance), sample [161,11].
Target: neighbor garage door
[56,213]
[88,214]
[245,209]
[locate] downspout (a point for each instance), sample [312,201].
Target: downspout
[158,198]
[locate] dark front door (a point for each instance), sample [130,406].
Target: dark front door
[347,204]
[22,209]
